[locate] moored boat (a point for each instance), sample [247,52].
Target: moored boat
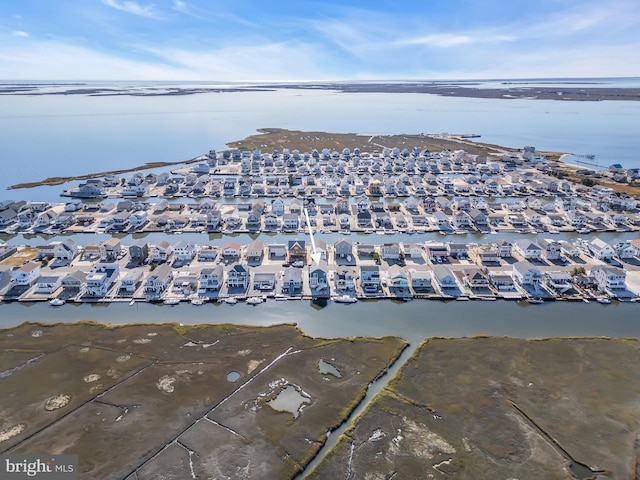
[231,300]
[171,301]
[56,302]
[604,300]
[535,300]
[254,300]
[345,299]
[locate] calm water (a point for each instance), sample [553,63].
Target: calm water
[43,136]
[412,320]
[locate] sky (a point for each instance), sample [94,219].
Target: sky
[304,40]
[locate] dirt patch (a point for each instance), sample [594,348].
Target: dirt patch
[12,431]
[59,401]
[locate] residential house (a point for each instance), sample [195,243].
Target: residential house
[601,249]
[528,249]
[474,278]
[345,279]
[437,252]
[397,278]
[343,248]
[442,220]
[161,252]
[65,251]
[524,273]
[48,284]
[318,280]
[390,251]
[211,279]
[158,281]
[569,249]
[504,248]
[264,281]
[277,250]
[290,221]
[501,281]
[457,250]
[254,251]
[624,250]
[74,281]
[413,251]
[370,278]
[421,280]
[489,254]
[479,218]
[365,250]
[238,277]
[559,282]
[297,251]
[231,251]
[100,280]
[139,251]
[277,207]
[292,281]
[110,249]
[444,277]
[131,281]
[26,274]
[609,278]
[184,251]
[551,248]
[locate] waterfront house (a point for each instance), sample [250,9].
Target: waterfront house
[343,248]
[138,219]
[473,277]
[609,278]
[110,249]
[8,217]
[253,222]
[524,273]
[444,277]
[442,220]
[184,251]
[558,282]
[397,278]
[501,281]
[231,251]
[254,251]
[277,207]
[277,250]
[601,249]
[100,280]
[528,249]
[390,251]
[569,249]
[624,250]
[421,280]
[26,274]
[290,221]
[139,251]
[72,283]
[238,277]
[461,220]
[214,220]
[457,250]
[7,250]
[48,284]
[264,281]
[161,252]
[211,279]
[292,281]
[551,248]
[297,251]
[318,280]
[575,218]
[437,252]
[158,281]
[271,221]
[370,278]
[479,218]
[345,279]
[504,248]
[365,250]
[489,254]
[413,251]
[131,281]
[635,244]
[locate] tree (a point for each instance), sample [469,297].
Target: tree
[589,182]
[578,271]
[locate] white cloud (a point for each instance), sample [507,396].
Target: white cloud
[446,40]
[135,8]
[179,5]
[20,33]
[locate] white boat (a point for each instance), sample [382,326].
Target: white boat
[254,300]
[535,300]
[56,302]
[231,300]
[604,300]
[198,301]
[171,301]
[345,299]
[553,232]
[281,298]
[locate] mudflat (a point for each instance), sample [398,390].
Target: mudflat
[208,401]
[486,408]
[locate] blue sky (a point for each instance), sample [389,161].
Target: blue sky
[251,40]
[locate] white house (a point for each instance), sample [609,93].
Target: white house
[158,281]
[504,248]
[129,283]
[370,278]
[161,251]
[238,277]
[525,273]
[552,249]
[609,278]
[231,250]
[444,277]
[26,274]
[100,280]
[528,249]
[390,251]
[211,279]
[184,251]
[48,284]
[624,250]
[601,249]
[420,280]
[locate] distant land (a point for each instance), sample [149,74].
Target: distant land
[510,90]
